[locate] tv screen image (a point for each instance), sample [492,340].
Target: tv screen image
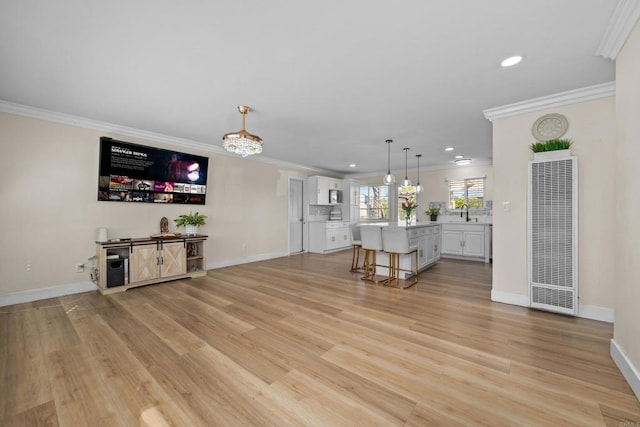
[137,173]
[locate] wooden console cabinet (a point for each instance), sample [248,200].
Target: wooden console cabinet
[137,262]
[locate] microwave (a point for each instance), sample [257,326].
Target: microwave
[335,196]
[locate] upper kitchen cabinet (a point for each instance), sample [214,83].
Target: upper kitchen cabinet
[319,187]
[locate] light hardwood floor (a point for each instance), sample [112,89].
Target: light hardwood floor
[302,341]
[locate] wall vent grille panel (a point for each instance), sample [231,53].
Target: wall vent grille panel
[552,233]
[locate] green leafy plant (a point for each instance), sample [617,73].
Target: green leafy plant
[551,145]
[433,211]
[190,219]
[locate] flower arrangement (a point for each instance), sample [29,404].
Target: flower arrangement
[408,208]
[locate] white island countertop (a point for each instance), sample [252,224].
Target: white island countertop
[400,224]
[423,224]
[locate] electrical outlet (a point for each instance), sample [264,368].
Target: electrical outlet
[506,206]
[79,268]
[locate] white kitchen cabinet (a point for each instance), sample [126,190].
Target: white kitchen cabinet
[329,236]
[319,187]
[351,201]
[467,241]
[433,245]
[427,239]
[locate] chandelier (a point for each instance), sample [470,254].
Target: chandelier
[242,142]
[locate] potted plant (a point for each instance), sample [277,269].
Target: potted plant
[190,222]
[433,213]
[552,148]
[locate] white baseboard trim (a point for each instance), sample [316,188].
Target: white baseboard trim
[629,372]
[238,261]
[596,313]
[509,298]
[44,293]
[586,311]
[75,288]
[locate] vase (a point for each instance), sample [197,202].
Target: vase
[191,230]
[408,219]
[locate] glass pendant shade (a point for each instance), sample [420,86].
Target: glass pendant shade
[406,182]
[389,178]
[242,142]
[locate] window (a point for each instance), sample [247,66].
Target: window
[374,202]
[466,191]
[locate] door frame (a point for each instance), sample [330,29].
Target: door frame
[304,214]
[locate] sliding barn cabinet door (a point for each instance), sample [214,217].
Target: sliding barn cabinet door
[552,235]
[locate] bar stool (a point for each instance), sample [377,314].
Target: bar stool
[395,242]
[356,244]
[371,238]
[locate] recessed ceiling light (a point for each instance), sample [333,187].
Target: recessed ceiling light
[352,165]
[459,156]
[463,162]
[511,61]
[448,149]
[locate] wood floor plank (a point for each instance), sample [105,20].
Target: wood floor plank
[25,378]
[171,332]
[44,415]
[301,340]
[344,382]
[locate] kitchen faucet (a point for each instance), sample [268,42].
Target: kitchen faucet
[462,208]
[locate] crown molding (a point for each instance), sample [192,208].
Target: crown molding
[620,26]
[589,93]
[111,128]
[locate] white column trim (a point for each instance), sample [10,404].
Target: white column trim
[629,372]
[620,26]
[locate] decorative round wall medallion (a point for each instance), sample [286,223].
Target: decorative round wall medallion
[550,126]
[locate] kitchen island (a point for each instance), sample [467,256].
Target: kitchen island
[425,236]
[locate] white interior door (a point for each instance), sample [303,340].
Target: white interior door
[296,218]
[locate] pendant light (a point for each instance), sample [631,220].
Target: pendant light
[389,178]
[242,142]
[418,186]
[406,182]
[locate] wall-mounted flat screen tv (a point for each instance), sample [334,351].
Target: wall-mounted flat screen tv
[137,173]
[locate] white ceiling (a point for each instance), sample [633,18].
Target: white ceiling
[329,81]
